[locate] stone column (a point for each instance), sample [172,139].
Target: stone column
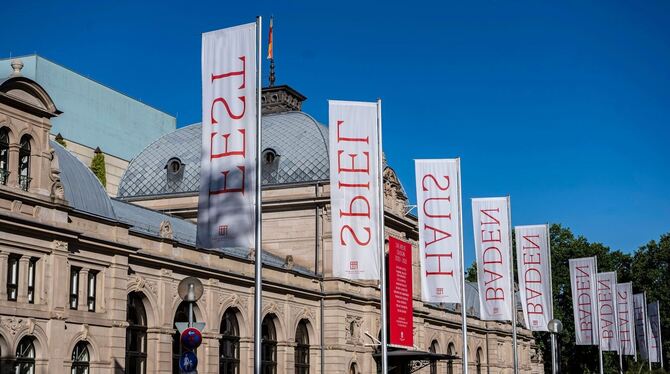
[4,263]
[23,279]
[82,303]
[13,179]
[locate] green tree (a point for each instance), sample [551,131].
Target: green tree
[59,139]
[98,166]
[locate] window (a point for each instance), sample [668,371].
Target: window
[90,298]
[4,155]
[180,316]
[229,344]
[24,163]
[32,264]
[302,349]
[80,358]
[451,350]
[353,369]
[433,349]
[74,287]
[25,356]
[13,277]
[136,335]
[268,346]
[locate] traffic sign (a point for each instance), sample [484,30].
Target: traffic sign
[191,338]
[188,362]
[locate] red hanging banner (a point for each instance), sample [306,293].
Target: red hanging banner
[401,310]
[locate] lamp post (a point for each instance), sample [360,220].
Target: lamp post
[555,327]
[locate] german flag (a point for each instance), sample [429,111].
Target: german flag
[270,55]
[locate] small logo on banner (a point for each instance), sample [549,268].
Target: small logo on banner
[439,291]
[353,265]
[223,230]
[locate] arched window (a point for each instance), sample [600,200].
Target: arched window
[25,356]
[268,346]
[24,163]
[301,349]
[4,155]
[451,350]
[434,347]
[181,315]
[229,344]
[478,361]
[80,358]
[353,369]
[136,335]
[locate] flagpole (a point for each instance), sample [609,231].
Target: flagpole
[660,337]
[258,287]
[382,245]
[511,276]
[464,321]
[600,348]
[554,338]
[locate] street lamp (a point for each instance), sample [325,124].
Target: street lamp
[555,327]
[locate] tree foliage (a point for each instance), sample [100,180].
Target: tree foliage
[98,167]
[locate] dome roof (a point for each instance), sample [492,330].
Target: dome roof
[297,141]
[81,187]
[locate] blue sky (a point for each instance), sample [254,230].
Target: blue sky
[564,105]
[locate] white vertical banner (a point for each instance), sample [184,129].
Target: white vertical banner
[438,198]
[639,308]
[654,337]
[354,189]
[226,207]
[624,301]
[606,290]
[490,220]
[584,302]
[534,272]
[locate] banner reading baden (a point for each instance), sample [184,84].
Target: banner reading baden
[227,166]
[438,204]
[490,218]
[534,268]
[609,331]
[583,283]
[354,189]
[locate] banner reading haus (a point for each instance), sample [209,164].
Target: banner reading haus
[606,287]
[438,198]
[490,218]
[534,272]
[226,205]
[624,301]
[354,189]
[583,283]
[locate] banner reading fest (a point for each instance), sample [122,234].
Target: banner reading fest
[438,198]
[490,219]
[401,309]
[607,311]
[639,305]
[227,166]
[584,303]
[534,272]
[624,301]
[354,189]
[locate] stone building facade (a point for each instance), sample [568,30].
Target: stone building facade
[91,281]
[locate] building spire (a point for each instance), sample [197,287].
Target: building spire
[271,55]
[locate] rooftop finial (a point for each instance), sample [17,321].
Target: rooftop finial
[17,65]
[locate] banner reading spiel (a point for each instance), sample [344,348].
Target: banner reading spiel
[354,189]
[227,175]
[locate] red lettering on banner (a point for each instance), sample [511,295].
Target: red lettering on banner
[226,136]
[624,318]
[606,309]
[584,301]
[491,255]
[347,139]
[353,168]
[355,236]
[351,212]
[431,176]
[425,210]
[438,258]
[532,275]
[445,235]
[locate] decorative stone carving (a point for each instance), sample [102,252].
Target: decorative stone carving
[288,262]
[117,323]
[14,324]
[394,195]
[16,206]
[233,300]
[59,245]
[166,231]
[138,282]
[353,328]
[57,189]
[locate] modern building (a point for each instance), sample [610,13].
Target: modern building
[95,116]
[91,281]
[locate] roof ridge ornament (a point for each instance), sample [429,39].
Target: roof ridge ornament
[16,65]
